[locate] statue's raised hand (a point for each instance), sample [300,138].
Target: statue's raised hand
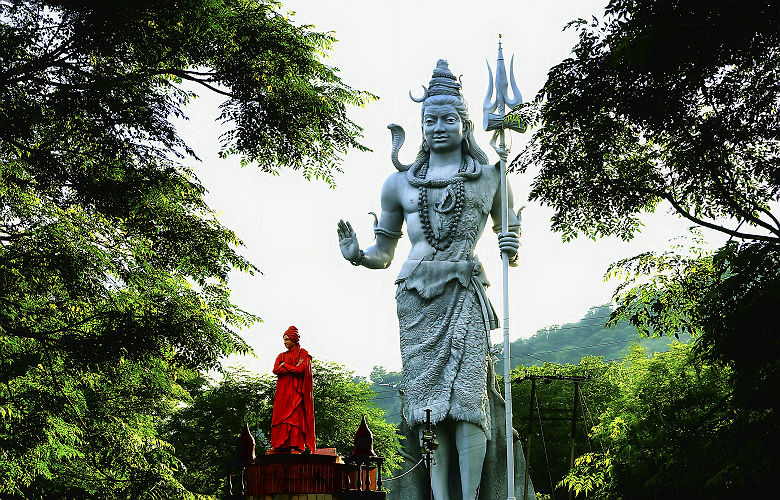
[348,241]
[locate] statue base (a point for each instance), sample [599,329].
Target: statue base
[321,475]
[365,495]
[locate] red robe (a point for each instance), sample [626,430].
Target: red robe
[292,424]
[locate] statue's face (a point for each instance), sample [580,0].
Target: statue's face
[442,128]
[287,342]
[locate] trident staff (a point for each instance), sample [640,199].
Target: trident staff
[495,119]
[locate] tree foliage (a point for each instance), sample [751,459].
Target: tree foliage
[205,431]
[667,425]
[670,431]
[113,270]
[677,102]
[663,100]
[728,300]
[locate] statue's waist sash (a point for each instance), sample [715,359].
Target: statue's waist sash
[430,277]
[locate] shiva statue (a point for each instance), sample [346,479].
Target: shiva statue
[445,197]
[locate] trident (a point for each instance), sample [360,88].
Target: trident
[495,119]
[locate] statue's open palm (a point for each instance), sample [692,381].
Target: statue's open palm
[348,241]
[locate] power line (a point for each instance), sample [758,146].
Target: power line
[405,473]
[544,445]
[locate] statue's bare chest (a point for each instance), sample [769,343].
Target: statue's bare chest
[478,194]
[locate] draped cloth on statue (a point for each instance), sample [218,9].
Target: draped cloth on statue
[292,424]
[493,486]
[445,347]
[445,316]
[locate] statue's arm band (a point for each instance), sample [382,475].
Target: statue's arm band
[512,228]
[386,232]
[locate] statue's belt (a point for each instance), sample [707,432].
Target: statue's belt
[430,277]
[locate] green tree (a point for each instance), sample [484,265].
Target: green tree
[727,301]
[677,102]
[663,100]
[205,431]
[667,432]
[113,271]
[653,426]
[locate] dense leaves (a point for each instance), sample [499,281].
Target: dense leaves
[663,100]
[728,300]
[674,429]
[677,101]
[662,426]
[113,271]
[205,431]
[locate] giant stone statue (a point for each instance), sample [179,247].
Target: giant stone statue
[445,197]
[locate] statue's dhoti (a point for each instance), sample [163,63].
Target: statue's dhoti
[444,319]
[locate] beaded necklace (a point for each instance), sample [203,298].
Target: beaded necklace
[452,204]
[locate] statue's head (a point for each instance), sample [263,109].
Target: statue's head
[441,96]
[291,337]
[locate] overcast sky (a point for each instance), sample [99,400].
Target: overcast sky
[347,314]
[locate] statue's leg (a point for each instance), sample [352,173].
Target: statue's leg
[441,456]
[471,442]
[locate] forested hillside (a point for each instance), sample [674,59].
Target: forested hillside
[570,342]
[559,344]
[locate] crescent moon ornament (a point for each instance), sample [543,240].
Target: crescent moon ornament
[421,99]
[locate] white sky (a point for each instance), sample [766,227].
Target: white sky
[347,314]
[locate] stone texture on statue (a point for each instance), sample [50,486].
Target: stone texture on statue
[493,483]
[292,425]
[445,197]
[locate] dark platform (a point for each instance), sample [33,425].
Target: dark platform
[306,476]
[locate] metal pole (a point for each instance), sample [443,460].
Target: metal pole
[494,115]
[428,454]
[510,453]
[530,433]
[573,426]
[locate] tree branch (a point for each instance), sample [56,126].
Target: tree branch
[710,225]
[726,193]
[187,76]
[18,74]
[777,223]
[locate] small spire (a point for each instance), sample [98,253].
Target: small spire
[364,440]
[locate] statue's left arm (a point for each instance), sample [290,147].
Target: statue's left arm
[508,242]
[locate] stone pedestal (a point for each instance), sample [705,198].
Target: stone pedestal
[318,476]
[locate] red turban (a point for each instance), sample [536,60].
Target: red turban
[292,334]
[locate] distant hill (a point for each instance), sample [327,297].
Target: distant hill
[567,343]
[570,342]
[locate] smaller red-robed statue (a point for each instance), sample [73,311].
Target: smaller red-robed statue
[292,426]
